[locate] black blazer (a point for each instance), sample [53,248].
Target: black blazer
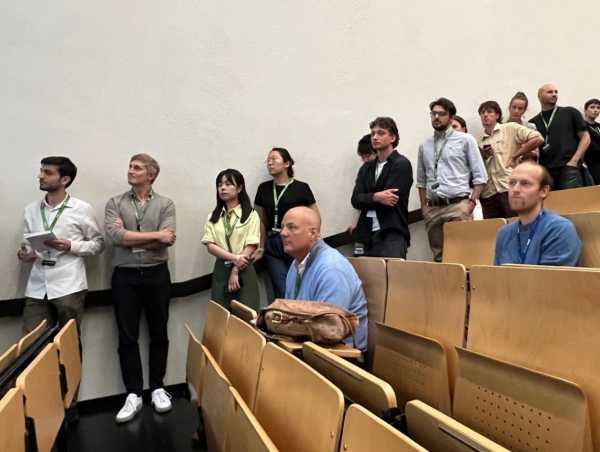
[397,173]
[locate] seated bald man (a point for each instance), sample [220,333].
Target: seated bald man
[319,272]
[539,237]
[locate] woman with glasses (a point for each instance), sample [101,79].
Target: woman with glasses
[232,235]
[273,199]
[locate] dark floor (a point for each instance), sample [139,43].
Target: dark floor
[148,432]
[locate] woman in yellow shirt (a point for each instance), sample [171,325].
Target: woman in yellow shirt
[232,234]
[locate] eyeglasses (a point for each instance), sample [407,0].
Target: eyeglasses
[438,114]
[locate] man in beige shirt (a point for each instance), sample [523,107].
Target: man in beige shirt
[503,146]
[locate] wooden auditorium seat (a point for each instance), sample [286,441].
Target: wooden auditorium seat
[415,366]
[471,242]
[429,299]
[40,383]
[520,408]
[67,343]
[195,365]
[215,328]
[342,350]
[436,431]
[588,229]
[299,409]
[241,357]
[373,274]
[357,384]
[574,200]
[12,422]
[247,314]
[31,337]
[543,318]
[363,431]
[244,433]
[8,357]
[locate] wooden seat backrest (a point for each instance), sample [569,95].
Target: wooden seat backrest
[434,430]
[40,383]
[8,357]
[244,431]
[12,421]
[363,431]
[543,318]
[30,337]
[67,343]
[216,404]
[471,242]
[429,299]
[520,408]
[195,364]
[298,408]
[247,314]
[415,366]
[574,200]
[241,358]
[372,273]
[215,329]
[357,384]
[588,229]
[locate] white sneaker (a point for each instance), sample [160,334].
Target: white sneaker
[161,400]
[133,405]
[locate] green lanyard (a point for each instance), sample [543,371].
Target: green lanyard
[298,284]
[58,214]
[276,202]
[140,213]
[437,154]
[595,129]
[229,229]
[547,124]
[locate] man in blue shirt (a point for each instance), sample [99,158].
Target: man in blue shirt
[539,237]
[319,272]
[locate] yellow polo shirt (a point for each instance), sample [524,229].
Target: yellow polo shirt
[244,234]
[505,140]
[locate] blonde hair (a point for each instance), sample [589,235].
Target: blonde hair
[151,164]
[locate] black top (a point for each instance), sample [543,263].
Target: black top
[592,155]
[396,173]
[297,194]
[562,136]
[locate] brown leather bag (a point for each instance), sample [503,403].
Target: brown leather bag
[320,322]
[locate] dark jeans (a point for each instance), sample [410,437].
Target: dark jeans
[594,168]
[497,206]
[278,264]
[566,177]
[388,243]
[134,289]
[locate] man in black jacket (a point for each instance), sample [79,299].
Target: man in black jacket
[381,194]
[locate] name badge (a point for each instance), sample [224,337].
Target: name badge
[137,250]
[48,262]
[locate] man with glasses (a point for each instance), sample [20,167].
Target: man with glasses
[565,139]
[448,161]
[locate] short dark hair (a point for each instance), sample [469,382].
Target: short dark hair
[365,147]
[287,158]
[446,104]
[387,123]
[591,102]
[65,167]
[491,105]
[520,95]
[461,121]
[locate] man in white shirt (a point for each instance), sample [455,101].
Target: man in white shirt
[57,283]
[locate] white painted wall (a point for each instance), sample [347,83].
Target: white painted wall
[206,85]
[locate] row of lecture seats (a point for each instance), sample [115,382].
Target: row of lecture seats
[32,412]
[474,242]
[527,324]
[293,408]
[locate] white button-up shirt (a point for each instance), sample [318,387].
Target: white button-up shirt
[77,224]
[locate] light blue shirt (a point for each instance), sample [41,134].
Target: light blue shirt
[555,242]
[460,161]
[328,276]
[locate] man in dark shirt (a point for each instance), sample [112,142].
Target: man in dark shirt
[565,139]
[592,156]
[381,194]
